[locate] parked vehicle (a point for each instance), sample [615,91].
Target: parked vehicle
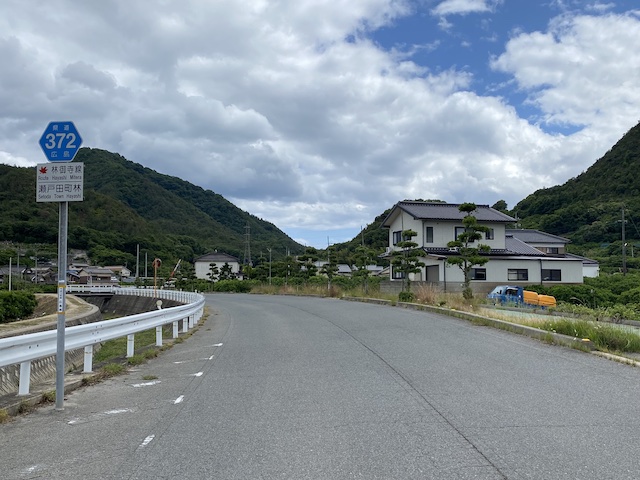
[514,295]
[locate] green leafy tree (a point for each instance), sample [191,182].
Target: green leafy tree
[307,263]
[330,269]
[468,255]
[363,257]
[406,260]
[225,272]
[214,272]
[260,271]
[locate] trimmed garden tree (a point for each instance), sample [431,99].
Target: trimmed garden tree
[407,261]
[468,255]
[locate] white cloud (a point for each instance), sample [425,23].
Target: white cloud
[463,7]
[292,112]
[580,72]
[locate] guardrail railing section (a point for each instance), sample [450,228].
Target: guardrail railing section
[24,349]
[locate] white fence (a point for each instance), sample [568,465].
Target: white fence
[25,348]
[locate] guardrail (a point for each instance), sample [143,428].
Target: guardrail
[23,349]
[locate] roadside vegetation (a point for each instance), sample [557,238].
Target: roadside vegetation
[16,305]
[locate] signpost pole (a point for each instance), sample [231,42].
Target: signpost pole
[62,292]
[60,183]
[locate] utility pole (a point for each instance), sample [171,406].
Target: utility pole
[269,248]
[624,246]
[247,245]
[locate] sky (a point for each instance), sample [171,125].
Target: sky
[318,115]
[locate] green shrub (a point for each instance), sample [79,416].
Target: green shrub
[237,286]
[16,305]
[406,297]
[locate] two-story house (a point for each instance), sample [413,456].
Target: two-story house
[512,258]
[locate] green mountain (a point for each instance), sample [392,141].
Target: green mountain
[127,205]
[588,208]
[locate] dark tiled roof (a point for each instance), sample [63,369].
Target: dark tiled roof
[585,260]
[519,247]
[536,236]
[449,211]
[217,257]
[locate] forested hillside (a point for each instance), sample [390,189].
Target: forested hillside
[127,205]
[588,208]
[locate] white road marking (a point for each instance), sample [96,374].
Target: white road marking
[218,345]
[199,374]
[178,400]
[147,441]
[96,416]
[210,358]
[146,384]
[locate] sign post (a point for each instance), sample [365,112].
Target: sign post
[60,183]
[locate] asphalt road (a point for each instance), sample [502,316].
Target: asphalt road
[309,388]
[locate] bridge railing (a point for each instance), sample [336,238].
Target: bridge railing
[23,349]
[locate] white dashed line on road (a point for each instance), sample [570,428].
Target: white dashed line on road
[146,384]
[147,441]
[76,421]
[178,400]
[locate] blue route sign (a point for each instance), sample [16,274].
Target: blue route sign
[60,141]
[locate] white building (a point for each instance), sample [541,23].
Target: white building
[203,264]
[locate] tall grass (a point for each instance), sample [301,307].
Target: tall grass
[605,337]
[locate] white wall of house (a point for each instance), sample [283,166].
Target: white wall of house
[511,269]
[203,269]
[443,231]
[591,270]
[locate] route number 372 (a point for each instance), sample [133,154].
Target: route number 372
[57,140]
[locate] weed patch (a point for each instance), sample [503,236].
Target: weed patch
[605,337]
[4,415]
[136,360]
[48,397]
[24,408]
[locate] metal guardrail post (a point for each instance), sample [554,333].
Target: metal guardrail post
[185,325]
[175,329]
[130,345]
[25,378]
[88,359]
[159,336]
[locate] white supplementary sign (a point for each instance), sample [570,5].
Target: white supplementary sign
[60,182]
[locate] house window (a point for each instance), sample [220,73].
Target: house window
[397,274]
[551,275]
[460,231]
[478,274]
[553,250]
[517,274]
[428,235]
[397,237]
[489,234]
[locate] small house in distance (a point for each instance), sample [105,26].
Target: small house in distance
[202,265]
